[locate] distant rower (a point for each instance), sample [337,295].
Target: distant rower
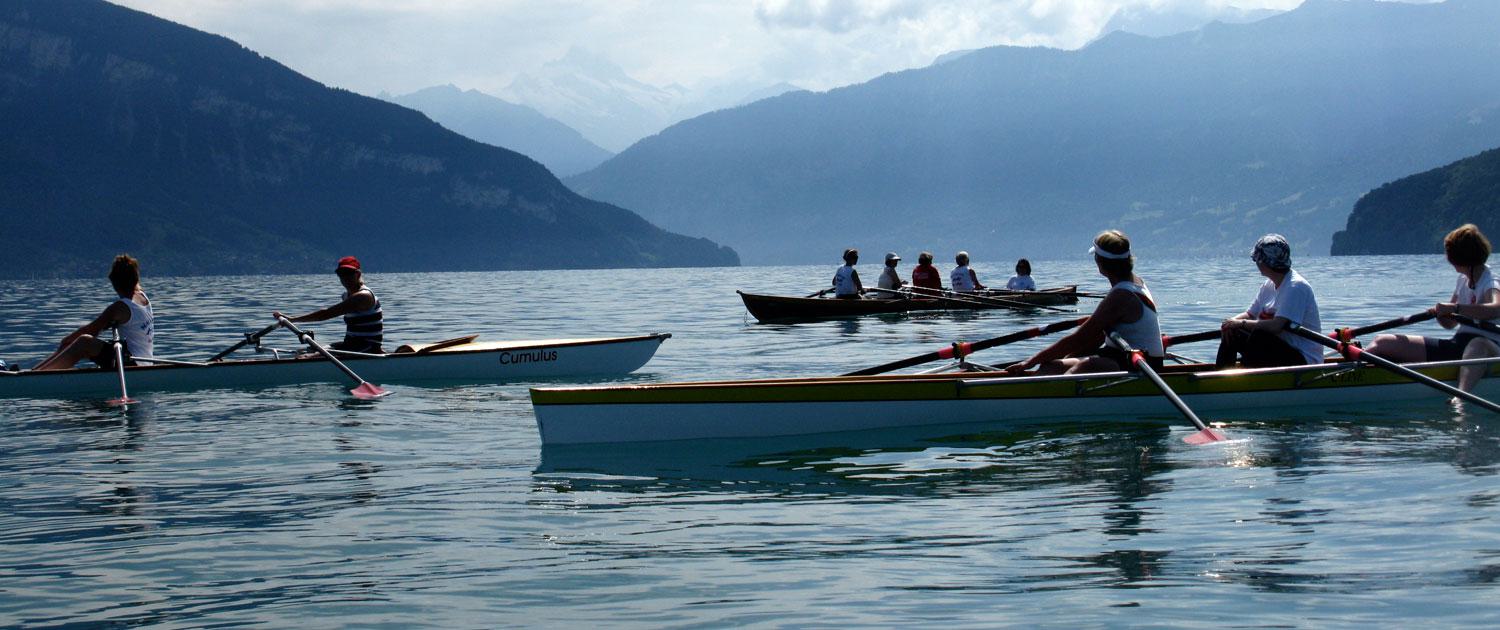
[846,285]
[963,279]
[889,279]
[364,326]
[926,276]
[1022,280]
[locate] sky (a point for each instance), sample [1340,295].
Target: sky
[400,46]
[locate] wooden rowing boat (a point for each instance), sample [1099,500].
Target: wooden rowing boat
[799,406]
[780,308]
[471,362]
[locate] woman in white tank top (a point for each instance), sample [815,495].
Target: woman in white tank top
[1475,296]
[130,315]
[1128,309]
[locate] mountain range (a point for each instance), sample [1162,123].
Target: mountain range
[1412,215]
[126,132]
[1194,143]
[501,123]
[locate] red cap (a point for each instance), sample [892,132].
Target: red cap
[349,262]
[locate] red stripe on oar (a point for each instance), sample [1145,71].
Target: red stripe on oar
[1166,340]
[1136,357]
[960,349]
[1343,334]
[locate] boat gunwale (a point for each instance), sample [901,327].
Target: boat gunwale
[660,337]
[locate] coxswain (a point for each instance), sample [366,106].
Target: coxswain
[889,279]
[926,276]
[130,315]
[1128,309]
[1022,280]
[1476,296]
[1259,337]
[962,278]
[363,320]
[846,284]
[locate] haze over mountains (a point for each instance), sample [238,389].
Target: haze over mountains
[593,95]
[500,123]
[125,132]
[1193,143]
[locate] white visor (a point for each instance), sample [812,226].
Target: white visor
[1110,255]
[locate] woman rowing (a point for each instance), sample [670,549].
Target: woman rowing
[1476,296]
[891,281]
[925,276]
[962,278]
[1259,337]
[1022,280]
[364,326]
[1128,309]
[130,315]
[846,284]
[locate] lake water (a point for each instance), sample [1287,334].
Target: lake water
[297,506]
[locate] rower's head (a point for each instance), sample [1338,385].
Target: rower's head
[924,258]
[1023,267]
[851,256]
[1273,253]
[349,272]
[1112,255]
[962,258]
[1466,248]
[891,258]
[125,274]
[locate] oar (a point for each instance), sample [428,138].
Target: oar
[965,349]
[1482,325]
[249,339]
[1204,434]
[364,391]
[961,300]
[989,301]
[1342,334]
[1355,353]
[124,398]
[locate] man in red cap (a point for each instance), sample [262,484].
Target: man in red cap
[363,327]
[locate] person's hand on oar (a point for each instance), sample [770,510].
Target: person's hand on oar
[1204,435]
[365,390]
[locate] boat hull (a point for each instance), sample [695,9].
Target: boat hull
[777,308]
[473,363]
[771,408]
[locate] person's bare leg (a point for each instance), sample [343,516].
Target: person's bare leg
[82,348]
[1094,364]
[1399,348]
[1478,348]
[1059,366]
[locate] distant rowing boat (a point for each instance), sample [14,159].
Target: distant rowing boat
[801,406]
[778,308]
[484,362]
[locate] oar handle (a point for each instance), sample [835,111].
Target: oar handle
[1355,353]
[960,350]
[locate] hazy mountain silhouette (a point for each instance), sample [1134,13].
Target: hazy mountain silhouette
[125,132]
[592,94]
[1197,142]
[498,122]
[1412,214]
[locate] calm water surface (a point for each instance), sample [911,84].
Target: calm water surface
[438,506]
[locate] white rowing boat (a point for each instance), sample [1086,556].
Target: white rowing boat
[801,406]
[482,362]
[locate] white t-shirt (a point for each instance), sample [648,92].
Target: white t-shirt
[843,281]
[889,280]
[1462,294]
[960,279]
[1294,301]
[1021,283]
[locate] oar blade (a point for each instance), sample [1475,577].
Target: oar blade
[1206,436]
[121,402]
[369,391]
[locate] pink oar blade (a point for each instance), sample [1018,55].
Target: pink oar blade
[369,391]
[120,402]
[1206,436]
